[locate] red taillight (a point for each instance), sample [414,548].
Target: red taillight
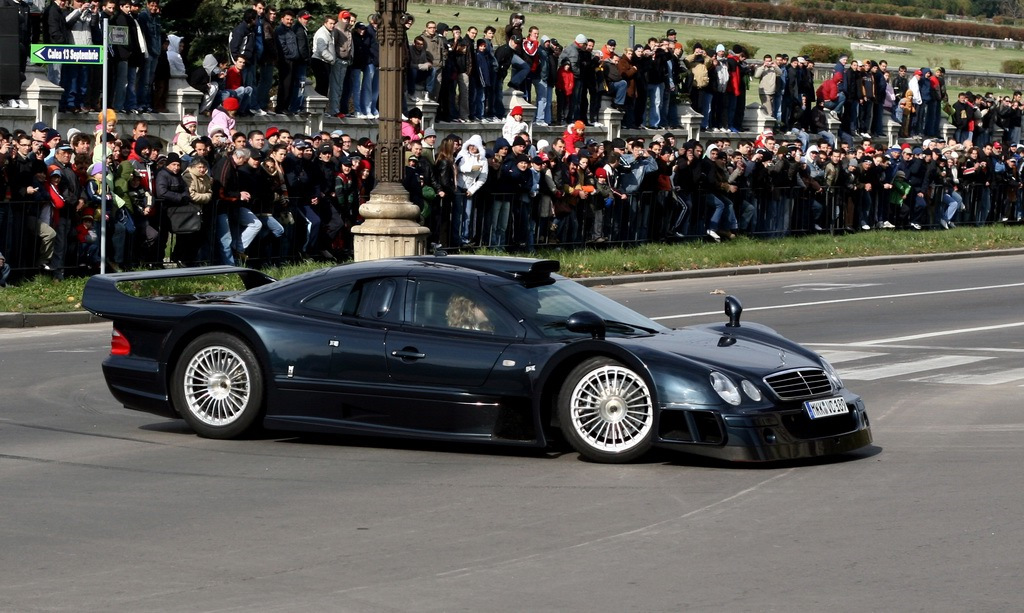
[119,345]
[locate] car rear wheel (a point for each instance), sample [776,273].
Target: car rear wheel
[218,386]
[606,411]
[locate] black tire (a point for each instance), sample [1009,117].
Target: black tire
[218,386]
[606,411]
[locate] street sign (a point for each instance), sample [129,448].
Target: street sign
[66,54]
[118,35]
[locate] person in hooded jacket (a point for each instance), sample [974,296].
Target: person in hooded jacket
[471,164]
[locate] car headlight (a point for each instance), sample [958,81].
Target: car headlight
[751,390]
[833,376]
[725,388]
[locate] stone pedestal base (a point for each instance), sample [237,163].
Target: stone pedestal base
[390,229]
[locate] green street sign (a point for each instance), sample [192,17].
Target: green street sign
[66,54]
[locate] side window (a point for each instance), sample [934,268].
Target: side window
[445,306]
[333,301]
[370,299]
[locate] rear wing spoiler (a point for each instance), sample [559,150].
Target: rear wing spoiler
[102,296]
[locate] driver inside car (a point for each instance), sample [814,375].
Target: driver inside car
[466,314]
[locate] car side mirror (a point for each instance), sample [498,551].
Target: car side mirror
[586,322]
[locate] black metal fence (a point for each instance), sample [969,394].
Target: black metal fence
[509,222]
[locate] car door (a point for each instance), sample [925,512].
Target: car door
[352,320]
[440,359]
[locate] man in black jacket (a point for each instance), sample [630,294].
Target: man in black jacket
[55,32]
[287,61]
[305,49]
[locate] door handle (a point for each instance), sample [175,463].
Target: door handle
[408,354]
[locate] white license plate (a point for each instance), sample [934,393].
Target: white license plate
[826,408]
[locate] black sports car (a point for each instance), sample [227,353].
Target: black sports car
[467,348]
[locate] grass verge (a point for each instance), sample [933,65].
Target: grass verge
[42,295]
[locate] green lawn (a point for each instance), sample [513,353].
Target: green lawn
[565,29]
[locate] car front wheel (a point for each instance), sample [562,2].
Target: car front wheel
[606,411]
[218,386]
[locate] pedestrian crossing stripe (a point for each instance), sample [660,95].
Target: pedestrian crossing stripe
[899,369]
[851,366]
[997,377]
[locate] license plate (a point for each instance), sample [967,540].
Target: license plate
[826,408]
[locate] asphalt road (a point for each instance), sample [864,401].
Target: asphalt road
[107,509]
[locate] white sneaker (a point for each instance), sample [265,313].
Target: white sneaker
[714,235]
[13,104]
[260,113]
[21,103]
[915,226]
[817,228]
[865,227]
[541,124]
[944,224]
[597,124]
[887,225]
[374,116]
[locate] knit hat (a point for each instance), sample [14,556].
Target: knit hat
[601,173]
[110,115]
[579,125]
[230,104]
[141,144]
[96,169]
[519,141]
[272,131]
[581,39]
[516,110]
[173,157]
[188,119]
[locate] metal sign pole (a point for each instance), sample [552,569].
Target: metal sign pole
[104,228]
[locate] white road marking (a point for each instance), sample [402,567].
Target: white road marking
[914,337]
[842,300]
[825,287]
[899,369]
[932,348]
[991,378]
[838,357]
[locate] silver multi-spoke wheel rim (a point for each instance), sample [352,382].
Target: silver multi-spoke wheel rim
[217,386]
[611,409]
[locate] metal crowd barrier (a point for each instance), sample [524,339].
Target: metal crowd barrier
[508,222]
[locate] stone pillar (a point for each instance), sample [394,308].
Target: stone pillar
[756,120]
[182,98]
[391,227]
[44,97]
[690,120]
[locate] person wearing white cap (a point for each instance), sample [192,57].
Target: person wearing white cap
[185,136]
[571,54]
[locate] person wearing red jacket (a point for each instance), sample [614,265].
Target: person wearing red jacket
[573,136]
[830,93]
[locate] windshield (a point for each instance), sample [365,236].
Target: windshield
[547,307]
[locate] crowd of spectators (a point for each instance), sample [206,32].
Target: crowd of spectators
[215,194]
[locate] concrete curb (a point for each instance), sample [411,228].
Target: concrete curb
[35,320]
[880,260]
[38,320]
